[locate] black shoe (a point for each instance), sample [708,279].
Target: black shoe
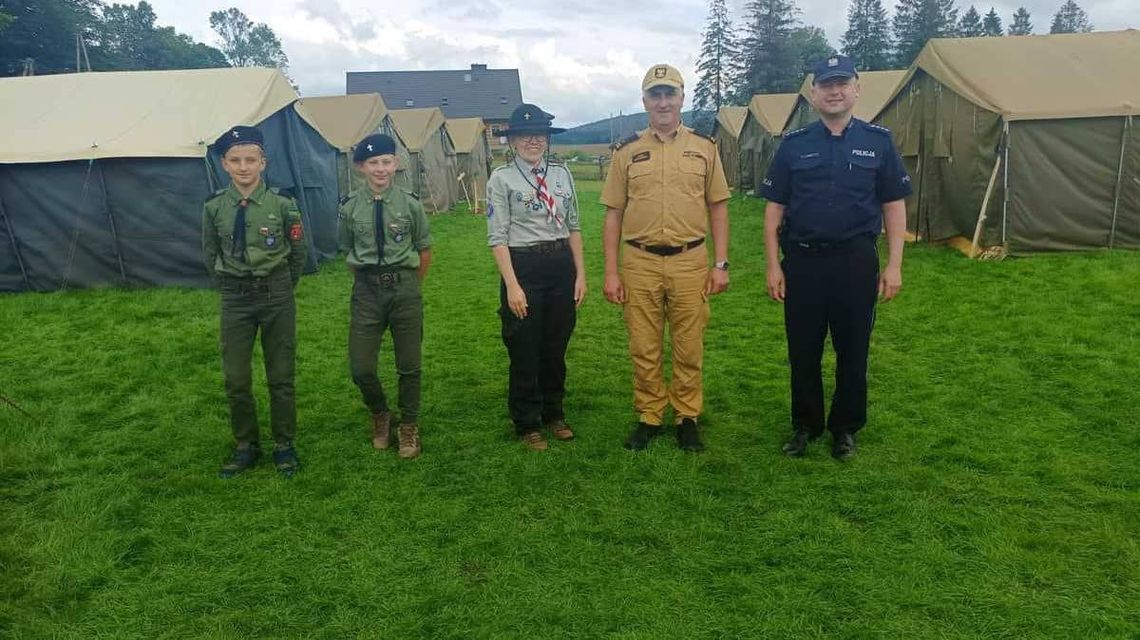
[687,437]
[843,446]
[285,459]
[243,458]
[639,439]
[797,446]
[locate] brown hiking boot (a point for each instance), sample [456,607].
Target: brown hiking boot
[382,430]
[533,441]
[409,440]
[560,430]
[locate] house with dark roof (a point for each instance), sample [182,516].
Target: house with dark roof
[478,92]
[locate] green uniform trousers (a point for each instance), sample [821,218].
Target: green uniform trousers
[249,304]
[383,301]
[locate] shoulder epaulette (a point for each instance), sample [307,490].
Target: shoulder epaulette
[346,197]
[283,192]
[795,132]
[706,137]
[626,141]
[214,195]
[875,127]
[410,193]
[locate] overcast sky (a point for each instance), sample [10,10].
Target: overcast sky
[579,60]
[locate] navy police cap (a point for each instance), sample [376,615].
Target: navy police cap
[236,135]
[836,66]
[376,144]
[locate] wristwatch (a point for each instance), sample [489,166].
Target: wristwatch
[722,265]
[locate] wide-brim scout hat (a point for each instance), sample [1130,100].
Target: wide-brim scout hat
[663,75]
[240,134]
[834,67]
[529,119]
[377,144]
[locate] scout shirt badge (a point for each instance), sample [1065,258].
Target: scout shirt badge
[397,232]
[270,238]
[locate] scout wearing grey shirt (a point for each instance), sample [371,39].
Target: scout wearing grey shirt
[516,217]
[533,232]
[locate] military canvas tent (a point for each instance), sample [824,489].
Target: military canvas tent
[344,121]
[473,155]
[1044,124]
[103,175]
[726,131]
[431,169]
[760,135]
[875,89]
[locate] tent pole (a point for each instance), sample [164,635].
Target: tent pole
[15,246]
[1005,186]
[75,232]
[111,224]
[1119,176]
[985,205]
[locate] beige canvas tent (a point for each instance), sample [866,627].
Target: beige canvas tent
[431,168]
[1037,153]
[875,89]
[473,156]
[760,135]
[726,131]
[345,120]
[103,175]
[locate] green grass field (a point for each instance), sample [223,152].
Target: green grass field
[996,493]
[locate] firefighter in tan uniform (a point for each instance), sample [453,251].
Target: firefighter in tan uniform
[664,194]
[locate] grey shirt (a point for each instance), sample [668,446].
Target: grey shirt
[516,217]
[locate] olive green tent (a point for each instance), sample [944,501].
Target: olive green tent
[473,157]
[103,175]
[431,168]
[1046,140]
[726,131]
[344,121]
[760,135]
[875,89]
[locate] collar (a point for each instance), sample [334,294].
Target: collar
[842,135]
[256,197]
[667,138]
[528,169]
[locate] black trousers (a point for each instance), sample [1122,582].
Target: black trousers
[537,343]
[830,289]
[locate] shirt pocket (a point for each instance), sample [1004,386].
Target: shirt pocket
[693,172]
[860,175]
[363,234]
[640,179]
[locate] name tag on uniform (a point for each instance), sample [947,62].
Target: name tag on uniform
[640,157]
[693,154]
[863,153]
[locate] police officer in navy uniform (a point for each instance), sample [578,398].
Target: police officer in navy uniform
[832,187]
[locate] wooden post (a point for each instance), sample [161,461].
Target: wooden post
[985,204]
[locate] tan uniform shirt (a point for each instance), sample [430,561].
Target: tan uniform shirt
[664,186]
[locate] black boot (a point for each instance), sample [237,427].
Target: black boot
[843,446]
[797,446]
[639,439]
[687,437]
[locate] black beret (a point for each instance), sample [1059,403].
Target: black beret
[376,144]
[239,134]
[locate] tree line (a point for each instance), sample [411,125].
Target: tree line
[771,50]
[61,36]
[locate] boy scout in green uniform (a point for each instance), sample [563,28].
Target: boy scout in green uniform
[254,249]
[385,233]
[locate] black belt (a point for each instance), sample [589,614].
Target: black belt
[665,250]
[383,277]
[822,247]
[550,246]
[255,281]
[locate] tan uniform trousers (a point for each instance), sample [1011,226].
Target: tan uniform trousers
[660,290]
